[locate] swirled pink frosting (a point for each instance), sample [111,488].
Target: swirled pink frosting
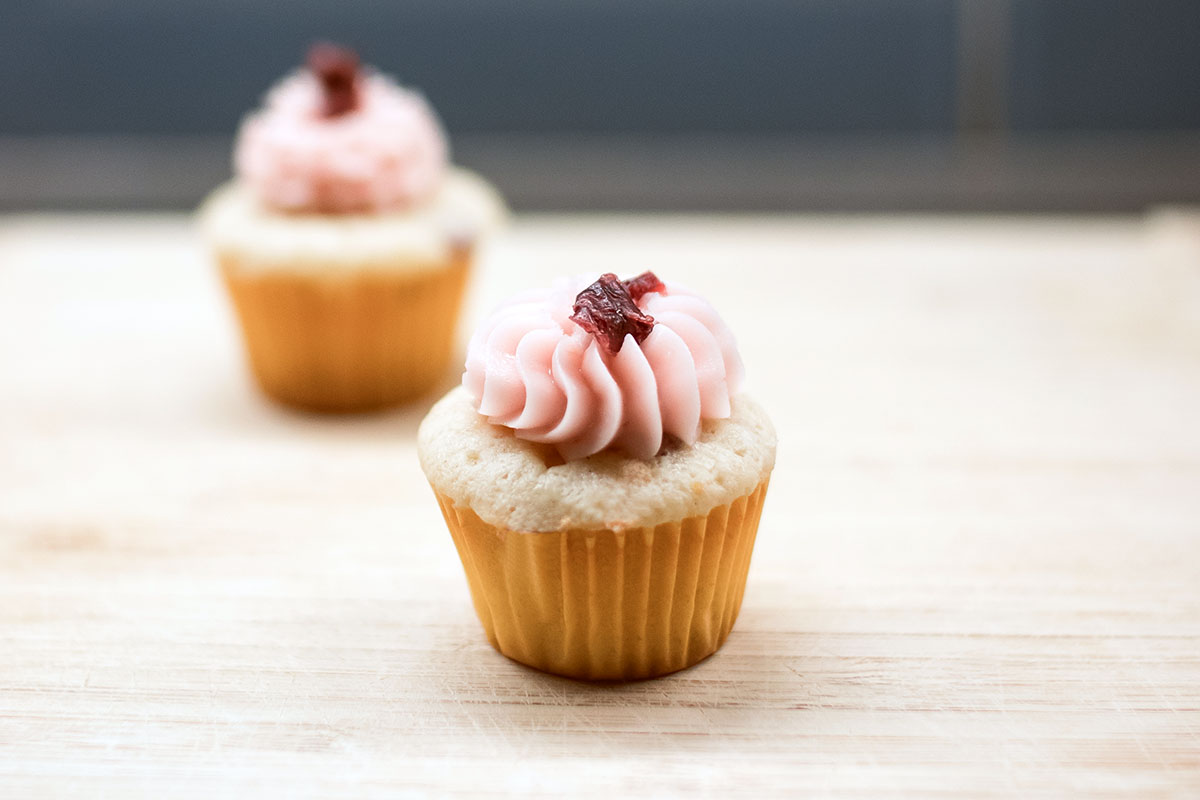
[387,153]
[530,368]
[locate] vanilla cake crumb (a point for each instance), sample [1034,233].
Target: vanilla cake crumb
[463,210]
[508,482]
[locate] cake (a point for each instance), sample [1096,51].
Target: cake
[602,476]
[346,238]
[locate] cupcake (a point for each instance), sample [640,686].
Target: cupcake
[602,477]
[346,238]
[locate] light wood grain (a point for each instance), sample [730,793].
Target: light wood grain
[978,571]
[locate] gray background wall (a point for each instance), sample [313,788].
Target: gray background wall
[764,104]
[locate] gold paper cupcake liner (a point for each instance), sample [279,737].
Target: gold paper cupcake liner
[609,605]
[335,340]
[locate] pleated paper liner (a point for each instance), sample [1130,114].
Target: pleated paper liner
[609,605]
[338,340]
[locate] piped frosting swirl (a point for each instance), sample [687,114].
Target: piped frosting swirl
[532,369]
[382,150]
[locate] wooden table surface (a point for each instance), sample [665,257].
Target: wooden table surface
[978,571]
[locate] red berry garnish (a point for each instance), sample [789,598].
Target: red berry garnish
[337,70]
[608,309]
[644,284]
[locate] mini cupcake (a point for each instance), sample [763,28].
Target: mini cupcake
[346,238]
[602,477]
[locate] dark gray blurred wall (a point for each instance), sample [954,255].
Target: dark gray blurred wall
[889,103]
[1105,64]
[563,65]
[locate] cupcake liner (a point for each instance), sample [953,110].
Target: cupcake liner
[609,605]
[339,340]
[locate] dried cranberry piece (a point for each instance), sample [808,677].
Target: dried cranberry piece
[643,284]
[608,311]
[337,70]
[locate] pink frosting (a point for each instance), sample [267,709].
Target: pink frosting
[387,153]
[531,369]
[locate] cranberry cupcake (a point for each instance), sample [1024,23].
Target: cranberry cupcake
[602,477]
[346,238]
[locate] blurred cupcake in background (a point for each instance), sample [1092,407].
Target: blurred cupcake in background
[346,238]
